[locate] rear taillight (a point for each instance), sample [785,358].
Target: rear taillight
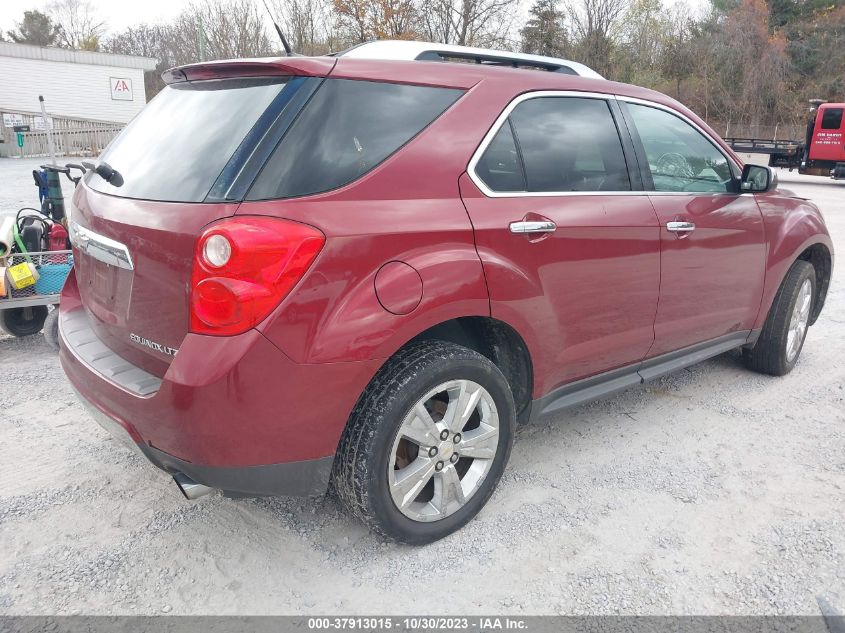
[244,267]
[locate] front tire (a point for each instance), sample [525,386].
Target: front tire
[779,346]
[427,442]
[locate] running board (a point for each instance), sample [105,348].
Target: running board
[612,382]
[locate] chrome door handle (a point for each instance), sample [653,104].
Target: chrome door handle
[526,226]
[680,227]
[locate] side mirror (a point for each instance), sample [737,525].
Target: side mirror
[758,179]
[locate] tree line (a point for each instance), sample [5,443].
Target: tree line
[741,64]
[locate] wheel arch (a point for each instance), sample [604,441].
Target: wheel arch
[497,341]
[820,257]
[795,231]
[493,339]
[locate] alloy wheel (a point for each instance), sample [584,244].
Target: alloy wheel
[799,320]
[443,450]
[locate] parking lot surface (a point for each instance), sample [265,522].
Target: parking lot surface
[711,491]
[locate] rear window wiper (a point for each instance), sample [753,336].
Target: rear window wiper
[104,171]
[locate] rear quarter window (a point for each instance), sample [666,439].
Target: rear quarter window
[177,146]
[347,129]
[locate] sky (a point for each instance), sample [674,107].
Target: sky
[118,14]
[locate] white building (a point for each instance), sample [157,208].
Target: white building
[75,84]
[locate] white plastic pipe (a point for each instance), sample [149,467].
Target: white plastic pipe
[7,235]
[49,131]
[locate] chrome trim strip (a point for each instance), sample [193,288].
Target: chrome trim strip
[100,247]
[488,138]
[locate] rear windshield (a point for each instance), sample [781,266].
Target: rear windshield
[348,128]
[178,145]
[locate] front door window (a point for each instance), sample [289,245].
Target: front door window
[680,158]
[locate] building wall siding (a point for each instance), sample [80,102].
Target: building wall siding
[69,89]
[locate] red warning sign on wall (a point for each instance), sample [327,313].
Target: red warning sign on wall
[121,88]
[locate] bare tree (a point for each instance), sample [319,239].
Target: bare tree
[307,24]
[643,34]
[394,19]
[365,20]
[78,25]
[355,17]
[436,23]
[225,29]
[468,22]
[213,29]
[593,23]
[682,54]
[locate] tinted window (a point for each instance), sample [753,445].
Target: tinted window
[346,129]
[680,157]
[501,167]
[178,145]
[570,144]
[831,118]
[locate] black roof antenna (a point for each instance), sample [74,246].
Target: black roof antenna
[288,49]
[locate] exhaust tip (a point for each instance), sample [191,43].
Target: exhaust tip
[190,488]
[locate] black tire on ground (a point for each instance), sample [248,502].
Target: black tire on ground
[23,321]
[51,329]
[769,354]
[360,474]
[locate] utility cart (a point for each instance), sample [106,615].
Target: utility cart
[35,258]
[26,311]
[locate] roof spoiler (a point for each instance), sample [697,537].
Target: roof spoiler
[297,66]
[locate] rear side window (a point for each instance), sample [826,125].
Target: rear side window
[347,129]
[178,145]
[832,118]
[570,144]
[501,166]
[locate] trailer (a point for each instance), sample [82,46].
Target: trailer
[820,153]
[781,153]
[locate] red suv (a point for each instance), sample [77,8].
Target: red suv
[297,272]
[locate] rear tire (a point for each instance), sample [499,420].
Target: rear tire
[23,321]
[51,329]
[414,490]
[782,338]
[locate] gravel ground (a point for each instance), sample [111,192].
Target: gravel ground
[712,491]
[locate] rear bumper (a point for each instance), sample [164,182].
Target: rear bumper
[301,479]
[232,413]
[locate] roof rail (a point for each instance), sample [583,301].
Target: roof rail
[430,51]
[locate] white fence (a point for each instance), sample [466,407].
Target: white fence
[71,137]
